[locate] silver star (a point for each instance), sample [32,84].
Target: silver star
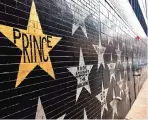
[130,64]
[81,73]
[79,16]
[113,104]
[123,44]
[120,84]
[112,66]
[102,98]
[125,65]
[127,92]
[100,51]
[40,114]
[85,116]
[110,40]
[118,51]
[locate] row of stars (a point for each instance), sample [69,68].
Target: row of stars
[81,82]
[82,79]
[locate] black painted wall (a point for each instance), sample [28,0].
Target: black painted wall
[85,59]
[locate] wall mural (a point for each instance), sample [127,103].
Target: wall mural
[65,59]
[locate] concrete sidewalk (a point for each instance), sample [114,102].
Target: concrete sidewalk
[139,109]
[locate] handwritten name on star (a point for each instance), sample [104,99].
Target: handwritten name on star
[32,45]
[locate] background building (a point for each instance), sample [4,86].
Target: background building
[140,9]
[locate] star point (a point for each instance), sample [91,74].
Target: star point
[40,114]
[62,117]
[110,40]
[85,116]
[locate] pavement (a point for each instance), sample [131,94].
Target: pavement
[139,109]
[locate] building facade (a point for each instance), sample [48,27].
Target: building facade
[67,59]
[141,12]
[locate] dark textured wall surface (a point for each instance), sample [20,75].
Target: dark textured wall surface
[68,59]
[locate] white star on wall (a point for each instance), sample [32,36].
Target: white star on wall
[123,44]
[85,116]
[127,92]
[120,84]
[130,63]
[40,114]
[102,98]
[113,104]
[100,51]
[118,51]
[125,65]
[110,40]
[81,73]
[112,66]
[79,16]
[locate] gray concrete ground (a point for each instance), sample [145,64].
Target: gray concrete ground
[139,109]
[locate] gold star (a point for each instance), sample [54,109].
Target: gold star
[34,44]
